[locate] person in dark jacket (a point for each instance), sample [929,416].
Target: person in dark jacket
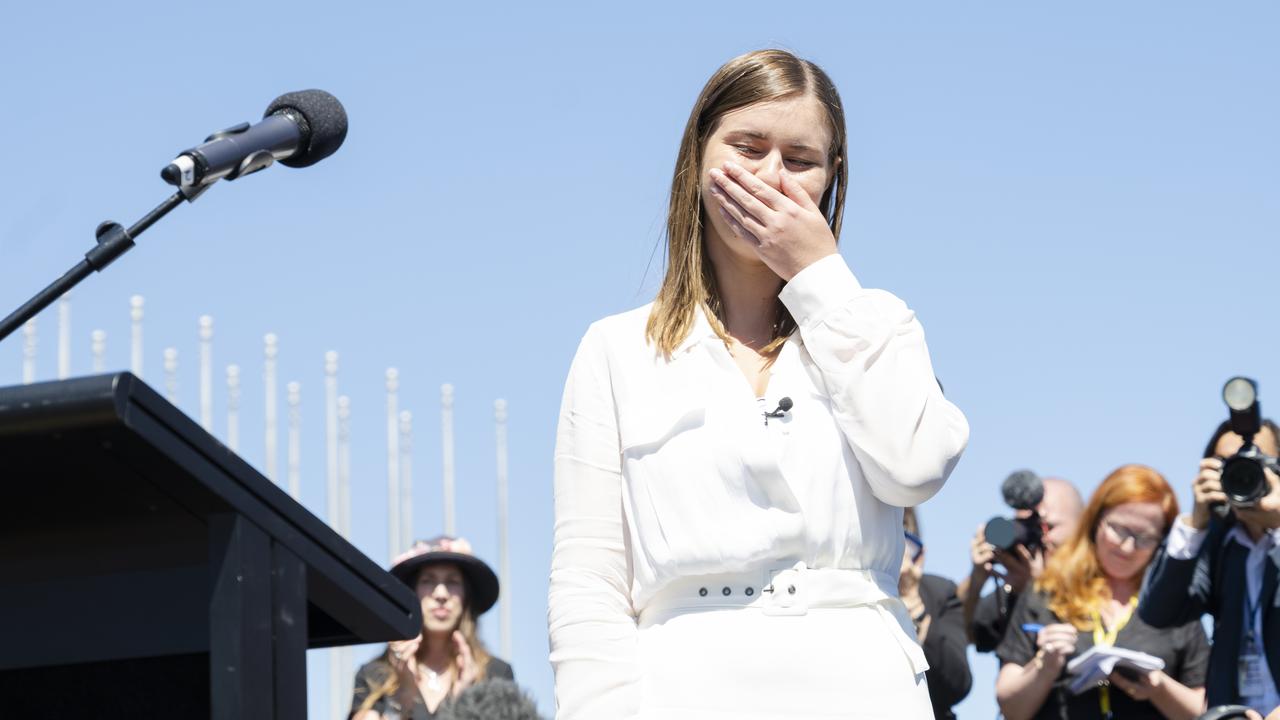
[1228,567]
[987,618]
[939,621]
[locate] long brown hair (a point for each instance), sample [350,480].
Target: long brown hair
[689,285]
[469,628]
[1073,578]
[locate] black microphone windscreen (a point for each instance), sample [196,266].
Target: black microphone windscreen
[495,699]
[1023,490]
[785,404]
[326,121]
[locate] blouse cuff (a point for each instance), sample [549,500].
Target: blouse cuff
[821,287]
[1184,541]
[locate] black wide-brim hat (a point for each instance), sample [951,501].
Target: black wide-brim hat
[482,582]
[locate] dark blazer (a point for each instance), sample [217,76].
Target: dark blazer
[945,646]
[1214,582]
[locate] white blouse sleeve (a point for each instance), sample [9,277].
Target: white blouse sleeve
[870,350]
[590,615]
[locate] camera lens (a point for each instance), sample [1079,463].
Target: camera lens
[1243,480]
[1001,533]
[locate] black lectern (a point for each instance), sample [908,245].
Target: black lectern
[148,571]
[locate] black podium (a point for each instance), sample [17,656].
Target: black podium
[148,571]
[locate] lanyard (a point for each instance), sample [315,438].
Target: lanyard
[1251,616]
[1253,606]
[1103,636]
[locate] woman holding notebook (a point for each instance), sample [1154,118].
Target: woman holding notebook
[1085,598]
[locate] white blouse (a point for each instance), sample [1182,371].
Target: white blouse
[667,469]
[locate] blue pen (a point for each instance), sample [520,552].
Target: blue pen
[1032,627]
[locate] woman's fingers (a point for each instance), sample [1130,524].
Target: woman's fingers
[1208,486]
[732,189]
[1128,686]
[1211,498]
[758,191]
[404,648]
[464,650]
[796,193]
[1209,478]
[1057,638]
[740,217]
[737,227]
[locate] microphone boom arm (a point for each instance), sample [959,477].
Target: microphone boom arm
[113,241]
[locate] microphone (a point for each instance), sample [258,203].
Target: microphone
[784,406]
[1022,490]
[298,129]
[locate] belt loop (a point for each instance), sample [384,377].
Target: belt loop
[789,594]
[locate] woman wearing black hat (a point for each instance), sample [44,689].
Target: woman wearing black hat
[414,678]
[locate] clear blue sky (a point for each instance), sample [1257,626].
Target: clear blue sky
[1080,201]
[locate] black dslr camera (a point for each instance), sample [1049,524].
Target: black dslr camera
[1243,479]
[1022,490]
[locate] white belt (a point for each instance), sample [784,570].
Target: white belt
[789,591]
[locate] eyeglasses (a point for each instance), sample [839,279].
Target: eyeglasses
[1120,534]
[914,544]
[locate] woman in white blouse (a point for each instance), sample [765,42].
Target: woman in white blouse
[732,460]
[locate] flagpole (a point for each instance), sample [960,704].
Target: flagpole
[233,408]
[446,432]
[393,464]
[206,373]
[504,569]
[270,350]
[135,334]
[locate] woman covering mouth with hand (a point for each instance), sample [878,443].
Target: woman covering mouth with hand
[732,460]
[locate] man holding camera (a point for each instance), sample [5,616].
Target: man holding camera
[1227,562]
[986,618]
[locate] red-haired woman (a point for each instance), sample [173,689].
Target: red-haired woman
[1086,597]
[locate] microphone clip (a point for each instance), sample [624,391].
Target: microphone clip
[784,407]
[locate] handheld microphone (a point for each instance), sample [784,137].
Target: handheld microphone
[784,406]
[298,129]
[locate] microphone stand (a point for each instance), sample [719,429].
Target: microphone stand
[113,241]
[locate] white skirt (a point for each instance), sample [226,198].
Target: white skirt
[711,648]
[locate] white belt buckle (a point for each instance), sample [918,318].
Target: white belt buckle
[784,592]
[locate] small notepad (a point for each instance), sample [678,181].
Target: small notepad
[1091,668]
